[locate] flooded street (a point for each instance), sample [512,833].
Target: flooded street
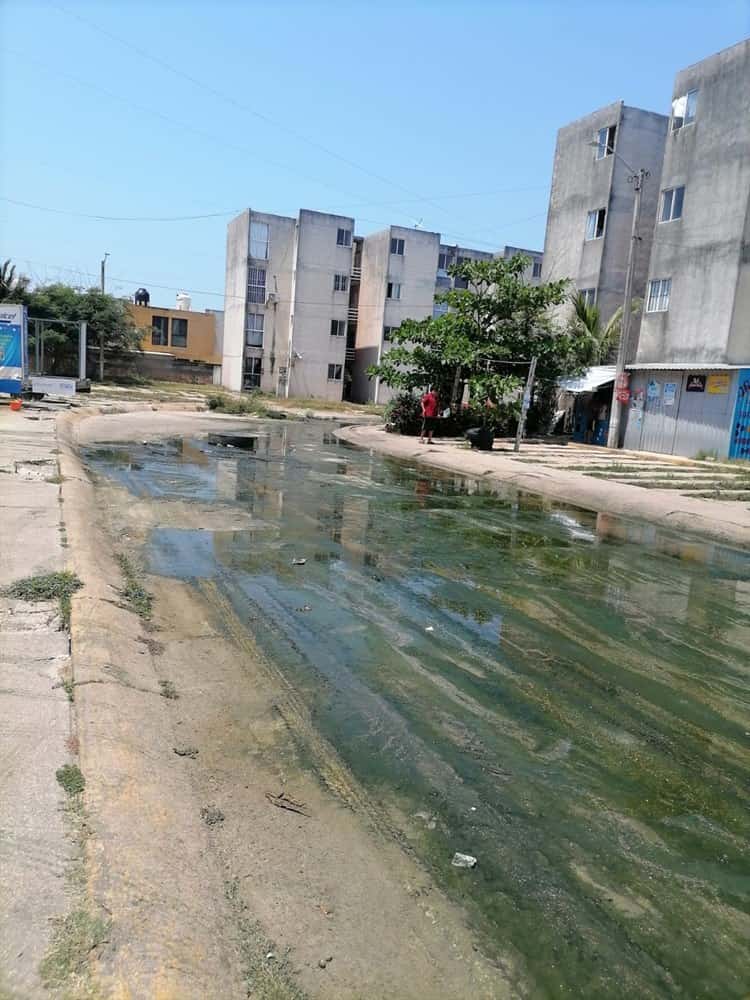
[559,695]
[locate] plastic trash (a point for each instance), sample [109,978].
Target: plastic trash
[429,628]
[298,562]
[463,860]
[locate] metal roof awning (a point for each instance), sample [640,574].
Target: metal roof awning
[590,381]
[687,366]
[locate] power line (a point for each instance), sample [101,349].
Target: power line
[122,218]
[243,107]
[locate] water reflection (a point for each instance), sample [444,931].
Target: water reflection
[566,699]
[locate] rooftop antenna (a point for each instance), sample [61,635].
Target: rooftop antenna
[418,223]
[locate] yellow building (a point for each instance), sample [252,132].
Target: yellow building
[189,342]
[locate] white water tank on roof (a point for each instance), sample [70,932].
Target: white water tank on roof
[183,301]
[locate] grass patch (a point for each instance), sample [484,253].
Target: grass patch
[70,777]
[136,597]
[47,587]
[231,404]
[168,690]
[66,964]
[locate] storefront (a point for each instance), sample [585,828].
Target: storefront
[688,410]
[588,402]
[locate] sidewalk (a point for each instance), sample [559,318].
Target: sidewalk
[36,719]
[551,471]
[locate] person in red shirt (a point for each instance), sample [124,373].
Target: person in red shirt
[429,415]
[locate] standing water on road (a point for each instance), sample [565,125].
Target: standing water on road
[507,680]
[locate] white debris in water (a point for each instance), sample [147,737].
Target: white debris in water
[298,562]
[429,628]
[463,860]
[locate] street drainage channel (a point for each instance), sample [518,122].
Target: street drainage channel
[511,680]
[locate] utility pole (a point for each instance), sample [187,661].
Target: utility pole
[613,437]
[525,404]
[101,332]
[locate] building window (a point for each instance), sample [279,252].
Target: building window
[444,260]
[536,269]
[397,247]
[388,332]
[159,331]
[256,284]
[659,291]
[344,238]
[605,141]
[259,240]
[588,295]
[179,332]
[254,329]
[683,109]
[253,371]
[340,282]
[439,309]
[338,327]
[394,290]
[595,223]
[671,204]
[335,373]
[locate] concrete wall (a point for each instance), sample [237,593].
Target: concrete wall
[376,250]
[277,309]
[581,183]
[705,252]
[201,333]
[318,259]
[235,286]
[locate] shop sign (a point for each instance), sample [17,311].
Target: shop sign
[654,389]
[718,384]
[670,391]
[695,383]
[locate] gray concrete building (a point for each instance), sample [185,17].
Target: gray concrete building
[309,306]
[591,203]
[690,380]
[287,299]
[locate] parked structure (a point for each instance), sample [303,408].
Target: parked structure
[309,306]
[690,385]
[178,343]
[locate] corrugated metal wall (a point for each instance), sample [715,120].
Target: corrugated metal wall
[663,417]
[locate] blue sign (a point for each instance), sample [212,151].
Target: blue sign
[12,347]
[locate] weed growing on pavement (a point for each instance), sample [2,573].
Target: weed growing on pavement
[69,689]
[71,779]
[229,404]
[135,595]
[47,587]
[67,961]
[168,690]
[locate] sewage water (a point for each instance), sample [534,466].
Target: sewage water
[564,696]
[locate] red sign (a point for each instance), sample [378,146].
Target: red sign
[623,395]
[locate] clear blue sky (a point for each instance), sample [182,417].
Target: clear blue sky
[446,112]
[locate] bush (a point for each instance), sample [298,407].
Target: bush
[229,404]
[501,420]
[403,415]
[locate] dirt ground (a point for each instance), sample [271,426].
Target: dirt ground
[203,884]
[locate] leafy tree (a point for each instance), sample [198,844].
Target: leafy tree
[13,287]
[106,316]
[494,323]
[602,339]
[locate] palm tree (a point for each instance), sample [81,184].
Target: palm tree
[602,340]
[12,287]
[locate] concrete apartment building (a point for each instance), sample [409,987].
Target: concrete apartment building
[690,380]
[591,203]
[309,306]
[287,291]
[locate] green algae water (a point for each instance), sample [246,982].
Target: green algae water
[565,697]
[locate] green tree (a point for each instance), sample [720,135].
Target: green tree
[106,316]
[599,340]
[495,322]
[13,287]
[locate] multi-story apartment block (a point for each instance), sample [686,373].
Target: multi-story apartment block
[287,292]
[309,306]
[690,384]
[591,202]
